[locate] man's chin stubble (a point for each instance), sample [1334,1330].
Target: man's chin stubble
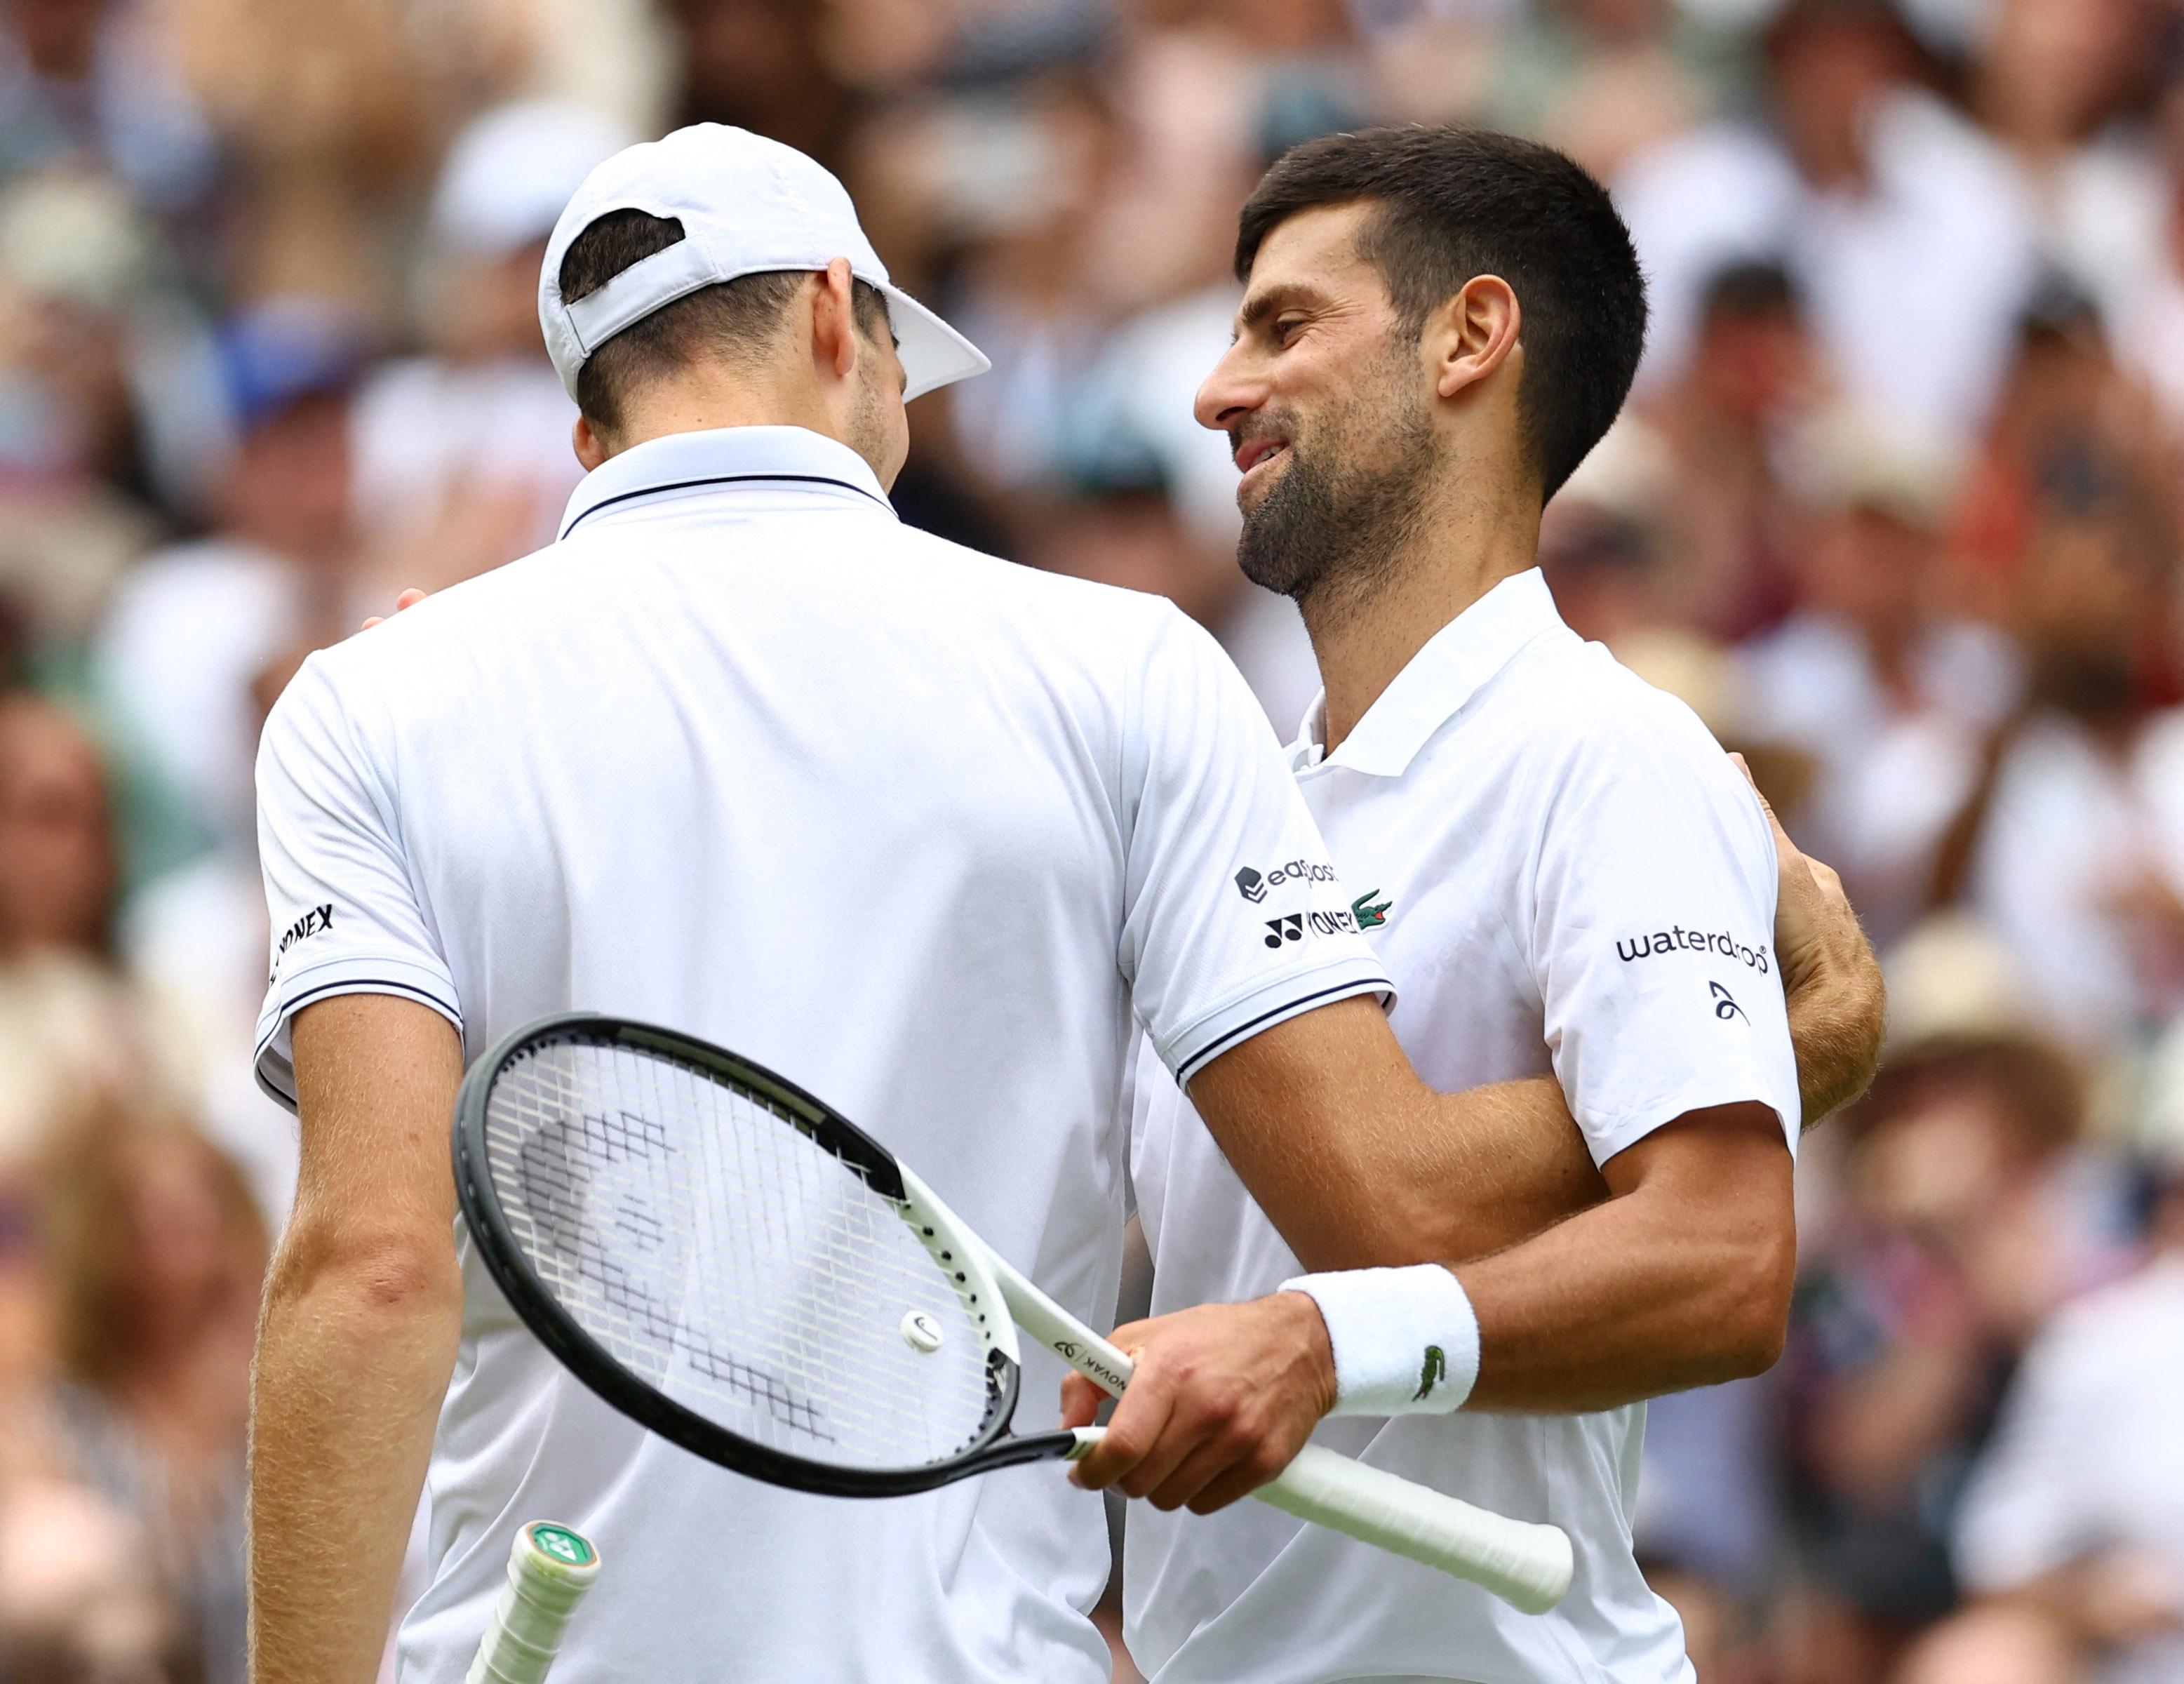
[1333,548]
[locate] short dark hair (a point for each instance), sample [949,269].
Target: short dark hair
[1455,202]
[739,318]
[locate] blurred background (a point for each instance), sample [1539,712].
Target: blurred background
[1896,508]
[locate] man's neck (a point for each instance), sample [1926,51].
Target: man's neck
[1452,562]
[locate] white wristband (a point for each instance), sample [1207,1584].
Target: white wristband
[1406,1340]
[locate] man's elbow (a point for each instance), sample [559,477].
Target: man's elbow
[1754,1326]
[373,1270]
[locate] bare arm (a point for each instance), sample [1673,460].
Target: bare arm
[1358,1162]
[1681,1276]
[1327,1113]
[363,1315]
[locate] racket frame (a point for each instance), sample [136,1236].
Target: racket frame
[959,1253]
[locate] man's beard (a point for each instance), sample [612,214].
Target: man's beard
[1339,520]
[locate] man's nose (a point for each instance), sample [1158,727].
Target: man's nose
[1227,396]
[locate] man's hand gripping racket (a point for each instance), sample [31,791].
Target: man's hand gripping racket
[741,1269]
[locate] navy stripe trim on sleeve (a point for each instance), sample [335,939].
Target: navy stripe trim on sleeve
[1190,1065]
[286,1095]
[289,1008]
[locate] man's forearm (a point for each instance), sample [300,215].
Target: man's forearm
[1393,1173]
[363,1316]
[1683,1280]
[355,1355]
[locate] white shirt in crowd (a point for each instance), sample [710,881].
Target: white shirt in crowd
[1893,771]
[743,755]
[427,430]
[1563,872]
[2088,1458]
[2073,831]
[1912,284]
[186,636]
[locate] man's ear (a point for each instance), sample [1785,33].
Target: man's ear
[834,320]
[1469,338]
[591,449]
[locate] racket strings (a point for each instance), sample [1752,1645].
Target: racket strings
[715,1250]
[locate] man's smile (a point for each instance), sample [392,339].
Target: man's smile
[1254,454]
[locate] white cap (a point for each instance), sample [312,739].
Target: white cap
[510,171]
[747,206]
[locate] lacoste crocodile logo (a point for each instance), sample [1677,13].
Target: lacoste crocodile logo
[1433,1374]
[1370,917]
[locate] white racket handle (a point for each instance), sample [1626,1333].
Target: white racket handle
[1526,1564]
[549,1569]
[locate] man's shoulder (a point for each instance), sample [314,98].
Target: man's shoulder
[1080,607]
[1582,707]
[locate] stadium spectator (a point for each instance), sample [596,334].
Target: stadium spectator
[326,114]
[1754,374]
[193,630]
[2057,82]
[158,1253]
[71,1026]
[463,459]
[2071,842]
[2079,1511]
[1887,692]
[1970,1212]
[97,83]
[1909,234]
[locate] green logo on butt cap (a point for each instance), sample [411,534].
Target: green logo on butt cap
[562,1544]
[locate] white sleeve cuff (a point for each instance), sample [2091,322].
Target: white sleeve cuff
[1406,1340]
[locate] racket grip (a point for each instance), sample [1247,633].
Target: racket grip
[549,1569]
[1525,1564]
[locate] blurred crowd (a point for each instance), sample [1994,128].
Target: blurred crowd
[1896,508]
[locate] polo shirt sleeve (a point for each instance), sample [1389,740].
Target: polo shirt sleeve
[345,916]
[1654,926]
[1234,919]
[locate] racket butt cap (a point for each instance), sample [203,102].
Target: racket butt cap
[550,1566]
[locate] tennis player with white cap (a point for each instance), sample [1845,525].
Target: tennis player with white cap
[741,754]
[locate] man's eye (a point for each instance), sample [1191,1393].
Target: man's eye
[1285,327]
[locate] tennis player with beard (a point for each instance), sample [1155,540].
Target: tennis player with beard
[1563,872]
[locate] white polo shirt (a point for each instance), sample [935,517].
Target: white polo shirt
[743,755]
[1563,872]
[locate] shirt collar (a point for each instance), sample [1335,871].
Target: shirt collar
[728,456]
[1437,681]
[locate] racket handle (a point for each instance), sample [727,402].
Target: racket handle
[1527,1564]
[549,1569]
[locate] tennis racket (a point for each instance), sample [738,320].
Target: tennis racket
[549,1569]
[731,1263]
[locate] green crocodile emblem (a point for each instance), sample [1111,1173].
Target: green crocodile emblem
[1433,1374]
[1369,917]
